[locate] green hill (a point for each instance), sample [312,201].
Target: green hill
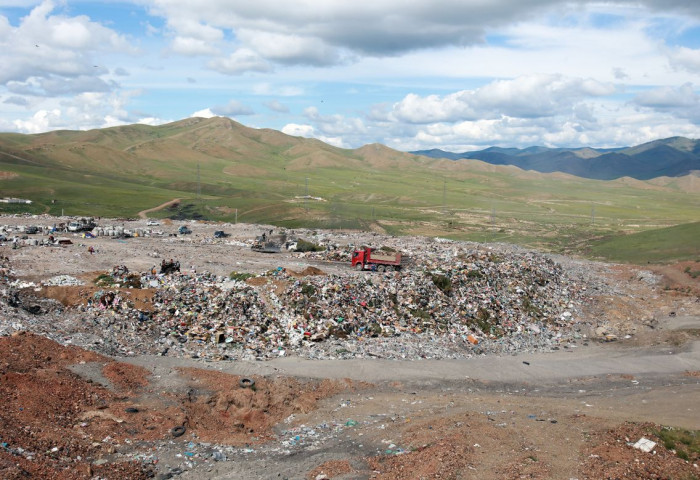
[681,242]
[222,170]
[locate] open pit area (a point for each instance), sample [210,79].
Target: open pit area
[474,361]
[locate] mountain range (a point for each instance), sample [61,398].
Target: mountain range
[669,157]
[217,169]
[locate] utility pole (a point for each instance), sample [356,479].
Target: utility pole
[199,184]
[236,216]
[444,195]
[306,196]
[592,214]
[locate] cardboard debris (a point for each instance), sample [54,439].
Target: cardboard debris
[645,445]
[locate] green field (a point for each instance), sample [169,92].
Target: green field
[681,242]
[221,170]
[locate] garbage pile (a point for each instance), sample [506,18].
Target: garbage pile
[452,302]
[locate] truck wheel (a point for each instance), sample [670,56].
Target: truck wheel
[358,267]
[380,268]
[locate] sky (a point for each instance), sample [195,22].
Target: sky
[458,75]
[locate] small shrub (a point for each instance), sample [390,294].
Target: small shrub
[308,289]
[240,276]
[306,246]
[104,280]
[474,274]
[443,283]
[420,313]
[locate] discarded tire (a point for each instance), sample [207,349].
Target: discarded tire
[246,382]
[131,410]
[178,431]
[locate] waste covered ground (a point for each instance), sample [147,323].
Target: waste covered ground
[473,361]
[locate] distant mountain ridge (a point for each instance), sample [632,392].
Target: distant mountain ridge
[669,157]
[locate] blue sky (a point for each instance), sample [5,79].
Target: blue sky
[452,74]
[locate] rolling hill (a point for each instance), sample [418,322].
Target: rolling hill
[222,170]
[670,157]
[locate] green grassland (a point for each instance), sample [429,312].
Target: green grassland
[680,242]
[221,170]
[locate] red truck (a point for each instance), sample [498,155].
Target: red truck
[370,258]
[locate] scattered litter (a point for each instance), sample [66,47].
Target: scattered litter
[645,445]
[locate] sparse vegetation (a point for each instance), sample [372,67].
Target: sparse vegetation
[241,276]
[442,282]
[692,273]
[306,246]
[104,280]
[308,289]
[686,443]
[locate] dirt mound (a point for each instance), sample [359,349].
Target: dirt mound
[308,271]
[683,276]
[219,409]
[71,296]
[41,435]
[613,457]
[55,423]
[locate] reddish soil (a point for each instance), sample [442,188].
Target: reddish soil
[71,296]
[56,424]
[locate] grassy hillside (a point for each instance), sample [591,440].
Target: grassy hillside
[681,242]
[218,167]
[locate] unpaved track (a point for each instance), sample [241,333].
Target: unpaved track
[143,213]
[542,368]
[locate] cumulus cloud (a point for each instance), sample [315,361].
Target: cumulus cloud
[681,102]
[189,46]
[289,48]
[206,113]
[80,112]
[683,58]
[299,130]
[54,49]
[41,121]
[524,97]
[232,108]
[324,33]
[276,106]
[335,125]
[16,100]
[241,61]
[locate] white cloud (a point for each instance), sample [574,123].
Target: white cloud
[41,121]
[289,48]
[298,130]
[241,61]
[524,97]
[685,58]
[45,46]
[189,46]
[206,113]
[279,90]
[681,102]
[232,108]
[276,106]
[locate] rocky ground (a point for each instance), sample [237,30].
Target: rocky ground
[474,361]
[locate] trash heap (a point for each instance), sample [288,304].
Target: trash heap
[500,302]
[452,302]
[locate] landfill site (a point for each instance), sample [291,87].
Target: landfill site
[135,348]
